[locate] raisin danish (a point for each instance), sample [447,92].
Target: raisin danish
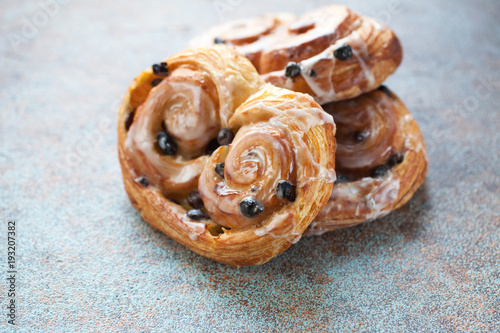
[381,160]
[227,165]
[331,53]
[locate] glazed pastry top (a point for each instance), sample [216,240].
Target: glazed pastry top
[232,167]
[192,103]
[331,53]
[381,160]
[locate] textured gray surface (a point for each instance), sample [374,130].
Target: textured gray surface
[87,261]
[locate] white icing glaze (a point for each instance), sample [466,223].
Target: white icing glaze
[190,117]
[178,169]
[275,228]
[315,230]
[413,142]
[380,199]
[327,93]
[305,120]
[376,24]
[194,229]
[312,117]
[384,192]
[296,239]
[363,57]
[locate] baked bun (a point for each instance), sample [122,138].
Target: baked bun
[231,167]
[331,53]
[381,160]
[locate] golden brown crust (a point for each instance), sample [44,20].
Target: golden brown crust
[272,42]
[292,120]
[362,197]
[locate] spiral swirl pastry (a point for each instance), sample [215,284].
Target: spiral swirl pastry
[381,160]
[231,167]
[331,53]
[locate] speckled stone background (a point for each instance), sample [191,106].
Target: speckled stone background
[87,261]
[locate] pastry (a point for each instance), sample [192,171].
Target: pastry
[227,165]
[331,53]
[381,160]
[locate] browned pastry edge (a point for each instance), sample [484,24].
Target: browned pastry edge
[410,174]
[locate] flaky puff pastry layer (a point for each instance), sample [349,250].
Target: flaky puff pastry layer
[381,160]
[272,42]
[280,135]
